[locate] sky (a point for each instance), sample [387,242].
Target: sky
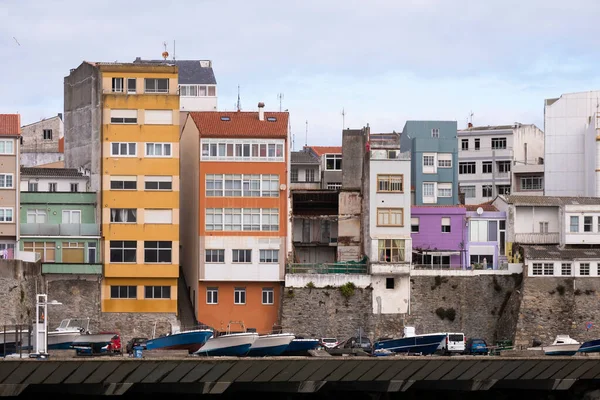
[382,62]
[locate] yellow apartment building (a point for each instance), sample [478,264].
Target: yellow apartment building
[131,149]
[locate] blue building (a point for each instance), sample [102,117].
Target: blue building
[434,161]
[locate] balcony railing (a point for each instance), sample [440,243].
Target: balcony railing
[324,268]
[438,266]
[70,268]
[60,229]
[537,238]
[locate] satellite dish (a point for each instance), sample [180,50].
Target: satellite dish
[479,210]
[282,186]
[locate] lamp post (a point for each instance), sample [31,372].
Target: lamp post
[41,325]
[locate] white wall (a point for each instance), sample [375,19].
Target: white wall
[534,137]
[391,301]
[557,268]
[582,237]
[198,103]
[63,184]
[527,219]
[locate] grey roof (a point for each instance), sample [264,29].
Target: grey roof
[489,128]
[555,252]
[52,172]
[190,71]
[550,200]
[303,157]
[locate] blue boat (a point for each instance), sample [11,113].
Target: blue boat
[270,345]
[229,345]
[593,346]
[190,340]
[300,347]
[414,344]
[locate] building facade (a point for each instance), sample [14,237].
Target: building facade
[130,148]
[434,161]
[41,142]
[486,242]
[331,165]
[236,221]
[500,160]
[10,131]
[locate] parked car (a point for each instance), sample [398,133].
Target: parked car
[138,341]
[358,343]
[329,343]
[476,346]
[453,344]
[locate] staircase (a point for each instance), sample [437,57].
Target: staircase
[185,308]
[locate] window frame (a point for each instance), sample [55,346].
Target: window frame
[467,168]
[391,213]
[115,86]
[219,255]
[498,143]
[150,248]
[212,295]
[3,180]
[125,247]
[236,256]
[128,147]
[273,259]
[160,181]
[239,296]
[163,146]
[156,90]
[3,147]
[162,290]
[4,215]
[130,91]
[335,158]
[123,183]
[131,292]
[117,215]
[270,296]
[389,244]
[390,181]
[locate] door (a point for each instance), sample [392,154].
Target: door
[91,252]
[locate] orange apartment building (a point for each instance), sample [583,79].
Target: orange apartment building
[234,215]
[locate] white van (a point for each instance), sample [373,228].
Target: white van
[455,343]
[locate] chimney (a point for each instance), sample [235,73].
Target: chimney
[470,125]
[261,111]
[60,116]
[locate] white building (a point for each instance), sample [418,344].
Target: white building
[500,160]
[389,225]
[42,143]
[53,180]
[570,125]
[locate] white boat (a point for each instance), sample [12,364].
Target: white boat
[563,345]
[232,344]
[271,345]
[60,338]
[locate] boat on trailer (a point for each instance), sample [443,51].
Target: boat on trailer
[271,345]
[563,345]
[591,346]
[410,343]
[190,339]
[229,344]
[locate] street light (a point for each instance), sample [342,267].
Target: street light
[41,328]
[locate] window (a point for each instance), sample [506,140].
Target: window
[158,149]
[36,216]
[309,175]
[197,91]
[73,252]
[74,187]
[123,292]
[239,296]
[123,215]
[215,256]
[268,296]
[241,256]
[123,182]
[486,191]
[157,85]
[587,224]
[536,269]
[157,251]
[47,134]
[269,256]
[444,160]
[32,187]
[158,183]
[392,154]
[242,150]
[117,85]
[91,252]
[131,85]
[428,189]
[123,251]
[503,167]
[158,216]
[239,185]
[71,216]
[390,217]
[333,162]
[565,269]
[414,224]
[391,250]
[428,161]
[21,140]
[532,183]
[574,225]
[548,269]
[468,191]
[503,189]
[157,292]
[45,250]
[389,283]
[52,186]
[467,168]
[498,143]
[390,183]
[465,144]
[212,295]
[294,175]
[6,214]
[584,269]
[444,189]
[487,167]
[242,219]
[6,181]
[334,185]
[543,227]
[123,116]
[435,133]
[158,117]
[7,147]
[477,144]
[123,149]
[446,226]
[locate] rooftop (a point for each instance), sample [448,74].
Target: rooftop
[491,128]
[51,172]
[320,150]
[10,124]
[519,200]
[488,206]
[244,124]
[303,157]
[555,252]
[190,71]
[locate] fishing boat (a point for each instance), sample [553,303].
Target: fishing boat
[63,336]
[190,340]
[231,345]
[300,347]
[592,346]
[563,345]
[270,345]
[425,344]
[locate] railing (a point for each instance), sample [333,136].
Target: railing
[60,229]
[326,268]
[321,242]
[437,266]
[537,238]
[72,268]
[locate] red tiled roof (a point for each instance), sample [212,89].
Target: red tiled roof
[10,124]
[240,124]
[320,150]
[488,206]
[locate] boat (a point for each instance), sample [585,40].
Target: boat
[270,345]
[592,346]
[411,343]
[232,345]
[190,340]
[300,347]
[97,344]
[63,336]
[563,345]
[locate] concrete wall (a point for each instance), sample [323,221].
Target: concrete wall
[30,159]
[18,283]
[33,136]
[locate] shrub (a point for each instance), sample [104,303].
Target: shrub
[577,292]
[441,312]
[290,293]
[450,314]
[560,289]
[347,290]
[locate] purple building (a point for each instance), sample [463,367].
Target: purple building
[486,237]
[439,237]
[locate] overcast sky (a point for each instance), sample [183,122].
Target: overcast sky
[382,61]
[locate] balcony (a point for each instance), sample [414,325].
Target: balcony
[390,269]
[529,167]
[537,238]
[334,268]
[60,229]
[68,268]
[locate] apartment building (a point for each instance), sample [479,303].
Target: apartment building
[126,119]
[500,160]
[10,131]
[434,161]
[42,143]
[235,215]
[331,165]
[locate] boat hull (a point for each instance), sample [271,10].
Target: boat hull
[233,345]
[561,349]
[270,345]
[593,346]
[300,347]
[423,344]
[186,340]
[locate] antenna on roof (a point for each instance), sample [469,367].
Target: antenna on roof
[280,98]
[239,102]
[306,135]
[173,50]
[343,119]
